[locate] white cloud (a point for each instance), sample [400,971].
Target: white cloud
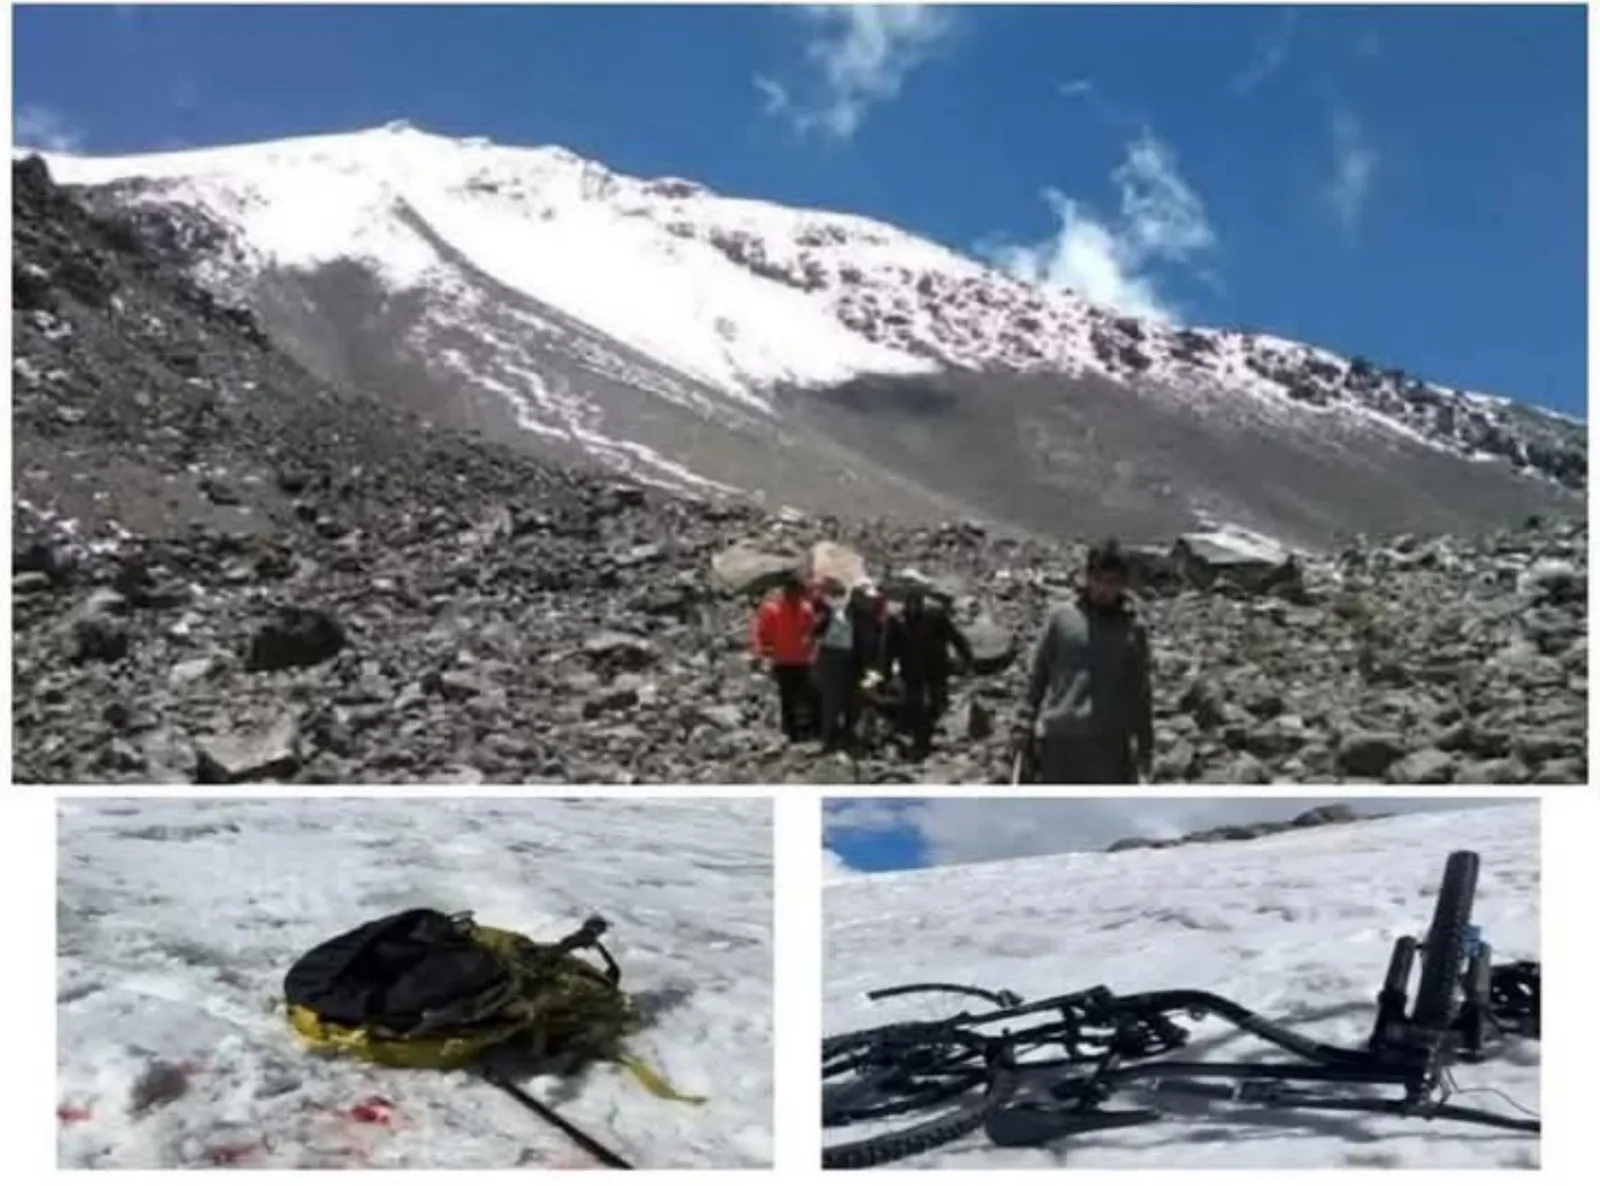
[1162,221]
[872,815]
[835,867]
[862,55]
[46,130]
[1355,162]
[1269,55]
[981,829]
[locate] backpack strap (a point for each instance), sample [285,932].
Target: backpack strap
[587,937]
[653,1081]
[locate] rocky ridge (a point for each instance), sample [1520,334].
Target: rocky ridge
[226,571]
[1315,817]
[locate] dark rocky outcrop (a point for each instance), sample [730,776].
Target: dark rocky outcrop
[1316,817]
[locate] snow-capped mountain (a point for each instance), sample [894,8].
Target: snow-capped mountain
[718,344]
[1297,927]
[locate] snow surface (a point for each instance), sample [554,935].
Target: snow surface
[177,920]
[1297,926]
[543,221]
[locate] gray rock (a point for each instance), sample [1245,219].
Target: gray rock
[750,572]
[1428,767]
[728,717]
[98,639]
[830,560]
[1369,754]
[994,648]
[258,755]
[1328,813]
[296,636]
[979,723]
[628,652]
[193,670]
[27,584]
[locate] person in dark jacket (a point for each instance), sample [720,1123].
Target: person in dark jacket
[1089,715]
[918,648]
[869,613]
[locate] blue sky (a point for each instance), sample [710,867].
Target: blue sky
[877,835]
[1405,183]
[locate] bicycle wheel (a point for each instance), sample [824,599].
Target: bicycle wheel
[895,1070]
[1444,951]
[964,1114]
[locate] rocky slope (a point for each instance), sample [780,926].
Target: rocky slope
[226,569]
[700,342]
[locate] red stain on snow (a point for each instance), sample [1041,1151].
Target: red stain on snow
[72,1114]
[373,1110]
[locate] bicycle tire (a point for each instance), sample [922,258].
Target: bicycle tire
[1445,949]
[926,1136]
[874,1101]
[846,1054]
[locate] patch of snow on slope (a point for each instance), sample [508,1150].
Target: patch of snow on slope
[1241,541]
[542,221]
[177,920]
[1297,927]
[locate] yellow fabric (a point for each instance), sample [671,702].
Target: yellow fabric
[652,1082]
[442,1054]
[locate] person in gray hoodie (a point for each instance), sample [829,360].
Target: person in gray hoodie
[1089,718]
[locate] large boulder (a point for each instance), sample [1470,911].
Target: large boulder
[837,562]
[1242,561]
[948,589]
[296,636]
[261,754]
[993,646]
[748,571]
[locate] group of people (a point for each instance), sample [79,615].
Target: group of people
[1087,716]
[831,648]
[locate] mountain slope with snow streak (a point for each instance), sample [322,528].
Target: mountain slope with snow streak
[718,344]
[177,920]
[1297,927]
[662,266]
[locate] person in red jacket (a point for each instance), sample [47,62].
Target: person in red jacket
[783,634]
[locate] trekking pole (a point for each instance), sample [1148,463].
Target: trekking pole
[1022,762]
[550,1116]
